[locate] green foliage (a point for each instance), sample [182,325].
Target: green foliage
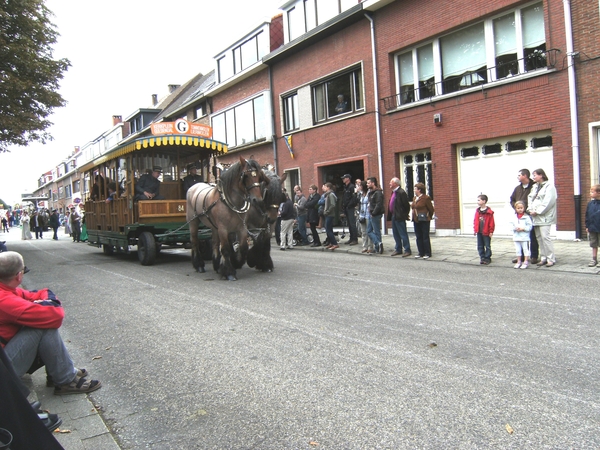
[29,76]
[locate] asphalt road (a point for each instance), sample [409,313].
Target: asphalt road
[330,351]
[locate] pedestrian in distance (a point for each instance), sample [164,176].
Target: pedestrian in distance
[363,217]
[521,226]
[398,212]
[312,213]
[75,222]
[592,222]
[301,214]
[521,193]
[54,223]
[484,226]
[542,209]
[422,214]
[329,214]
[376,211]
[349,202]
[286,213]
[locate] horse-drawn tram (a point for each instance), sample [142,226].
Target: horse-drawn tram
[137,195]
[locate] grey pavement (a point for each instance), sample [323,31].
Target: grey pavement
[83,426]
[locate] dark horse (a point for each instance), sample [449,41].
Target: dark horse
[224,209]
[262,222]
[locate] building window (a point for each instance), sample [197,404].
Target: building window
[290,113]
[200,110]
[76,186]
[338,96]
[243,124]
[304,15]
[416,168]
[243,56]
[61,192]
[494,49]
[68,191]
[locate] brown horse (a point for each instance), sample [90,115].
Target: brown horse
[224,209]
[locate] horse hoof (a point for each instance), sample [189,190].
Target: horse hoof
[267,270]
[200,270]
[231,278]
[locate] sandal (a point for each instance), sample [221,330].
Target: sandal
[81,373]
[78,386]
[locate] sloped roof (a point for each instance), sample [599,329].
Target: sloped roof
[185,94]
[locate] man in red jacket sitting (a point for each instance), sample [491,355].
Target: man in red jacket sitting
[29,323]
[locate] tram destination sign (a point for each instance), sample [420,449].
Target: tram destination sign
[183,127]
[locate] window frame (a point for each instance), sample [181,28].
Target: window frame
[231,132]
[529,60]
[291,112]
[322,100]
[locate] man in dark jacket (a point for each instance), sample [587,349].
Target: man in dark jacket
[349,202]
[398,210]
[191,179]
[54,223]
[376,210]
[148,186]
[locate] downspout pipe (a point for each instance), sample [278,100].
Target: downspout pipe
[574,120]
[376,102]
[274,135]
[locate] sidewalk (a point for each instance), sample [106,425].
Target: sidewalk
[82,427]
[571,256]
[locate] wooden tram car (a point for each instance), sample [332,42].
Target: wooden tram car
[150,225]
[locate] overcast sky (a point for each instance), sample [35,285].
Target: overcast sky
[122,52]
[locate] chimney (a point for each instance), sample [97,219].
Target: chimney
[117,120]
[154,99]
[173,87]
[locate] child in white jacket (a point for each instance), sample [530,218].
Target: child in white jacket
[521,225]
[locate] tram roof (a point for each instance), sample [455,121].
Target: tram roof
[170,142]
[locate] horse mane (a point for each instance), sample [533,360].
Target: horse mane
[272,191]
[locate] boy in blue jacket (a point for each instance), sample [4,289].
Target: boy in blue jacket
[592,222]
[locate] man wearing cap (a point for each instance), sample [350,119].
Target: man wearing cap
[75,222]
[29,331]
[148,186]
[349,202]
[191,179]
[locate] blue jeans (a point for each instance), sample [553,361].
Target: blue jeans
[24,347]
[484,247]
[302,228]
[400,236]
[329,230]
[374,230]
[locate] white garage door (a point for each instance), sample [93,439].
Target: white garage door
[490,167]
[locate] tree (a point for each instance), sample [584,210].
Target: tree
[29,76]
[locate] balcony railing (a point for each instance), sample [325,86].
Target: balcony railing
[536,60]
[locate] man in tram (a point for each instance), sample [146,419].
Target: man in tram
[148,186]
